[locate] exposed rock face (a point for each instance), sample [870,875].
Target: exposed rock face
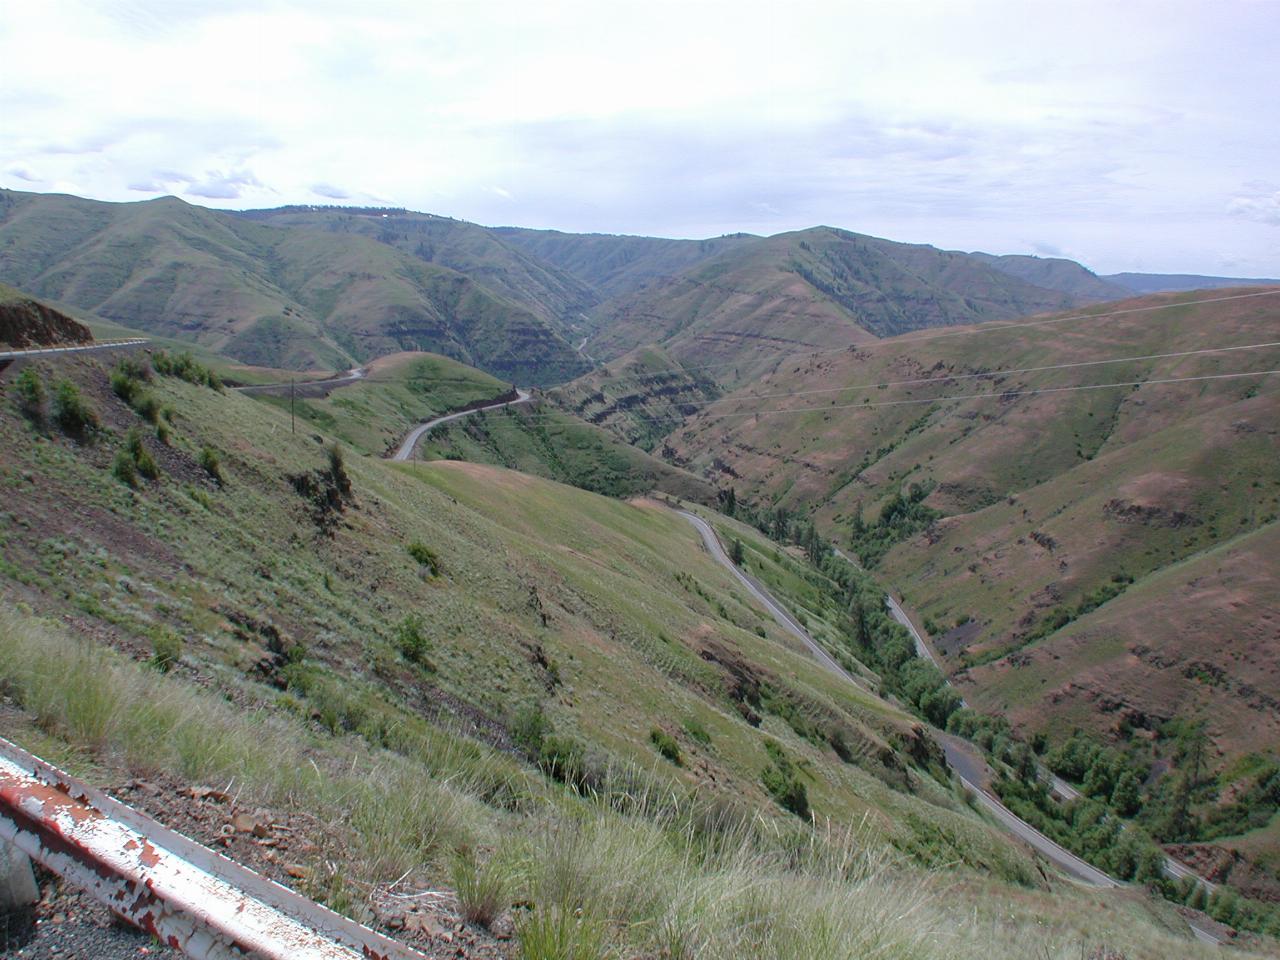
[28,323]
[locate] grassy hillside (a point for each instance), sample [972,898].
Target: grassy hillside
[402,390]
[560,298]
[1161,282]
[617,265]
[639,395]
[1055,273]
[266,296]
[751,306]
[462,671]
[1103,559]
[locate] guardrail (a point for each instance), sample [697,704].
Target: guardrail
[184,894]
[19,354]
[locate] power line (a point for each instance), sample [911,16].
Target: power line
[989,373]
[1001,395]
[968,330]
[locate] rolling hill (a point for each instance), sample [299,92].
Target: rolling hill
[268,296]
[739,312]
[1055,273]
[1044,512]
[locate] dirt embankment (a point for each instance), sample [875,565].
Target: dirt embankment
[29,323]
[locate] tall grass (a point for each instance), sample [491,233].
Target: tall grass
[635,869]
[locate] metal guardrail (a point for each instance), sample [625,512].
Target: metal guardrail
[184,894]
[78,348]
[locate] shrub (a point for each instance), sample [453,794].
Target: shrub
[141,456]
[162,433]
[123,386]
[667,745]
[411,642]
[166,649]
[425,556]
[529,728]
[783,782]
[694,728]
[71,411]
[209,462]
[123,469]
[31,395]
[185,367]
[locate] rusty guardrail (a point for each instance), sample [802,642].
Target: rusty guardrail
[184,894]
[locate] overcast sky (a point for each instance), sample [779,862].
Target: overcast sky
[1128,136]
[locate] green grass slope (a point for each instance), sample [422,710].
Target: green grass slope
[556,296]
[638,396]
[267,296]
[617,265]
[741,312]
[387,647]
[1043,515]
[1056,273]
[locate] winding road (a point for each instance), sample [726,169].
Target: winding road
[963,758]
[329,383]
[405,450]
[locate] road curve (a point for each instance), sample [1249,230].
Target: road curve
[776,610]
[351,376]
[405,450]
[968,770]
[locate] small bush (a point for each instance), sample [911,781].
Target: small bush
[425,556]
[141,456]
[124,386]
[123,469]
[411,642]
[783,782]
[162,433]
[667,745]
[209,462]
[185,367]
[147,406]
[71,411]
[483,888]
[694,728]
[529,728]
[31,395]
[166,649]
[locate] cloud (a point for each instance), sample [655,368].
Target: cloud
[1047,249]
[23,174]
[223,186]
[1261,206]
[330,191]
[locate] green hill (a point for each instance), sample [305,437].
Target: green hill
[618,265]
[1055,273]
[263,295]
[556,296]
[1098,559]
[744,310]
[439,668]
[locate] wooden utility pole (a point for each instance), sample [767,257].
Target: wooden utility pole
[293,428]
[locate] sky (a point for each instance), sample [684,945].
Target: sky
[1128,136]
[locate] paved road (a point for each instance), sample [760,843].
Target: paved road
[330,383]
[776,610]
[962,756]
[405,450]
[21,354]
[964,765]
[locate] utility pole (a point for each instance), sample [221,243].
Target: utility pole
[292,424]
